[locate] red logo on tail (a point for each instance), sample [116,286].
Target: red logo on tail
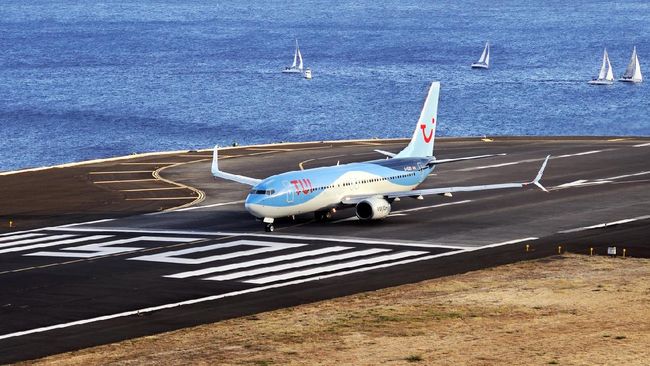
[427,139]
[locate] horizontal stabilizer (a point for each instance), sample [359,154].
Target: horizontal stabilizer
[233,177]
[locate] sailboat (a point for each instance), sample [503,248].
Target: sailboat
[296,67]
[633,72]
[484,61]
[605,76]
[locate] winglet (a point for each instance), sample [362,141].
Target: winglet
[387,153]
[539,175]
[215,160]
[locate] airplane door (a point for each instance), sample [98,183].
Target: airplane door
[290,191]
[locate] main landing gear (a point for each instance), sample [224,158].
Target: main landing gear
[324,215]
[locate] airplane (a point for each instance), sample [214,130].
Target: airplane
[370,187]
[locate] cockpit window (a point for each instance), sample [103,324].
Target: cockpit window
[267,192]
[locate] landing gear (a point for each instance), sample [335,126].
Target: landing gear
[268,224]
[323,215]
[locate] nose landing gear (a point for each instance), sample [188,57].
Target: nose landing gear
[268,224]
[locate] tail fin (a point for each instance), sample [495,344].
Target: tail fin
[421,144]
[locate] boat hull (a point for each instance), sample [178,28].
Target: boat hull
[601,82]
[479,66]
[292,71]
[630,80]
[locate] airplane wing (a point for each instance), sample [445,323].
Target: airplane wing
[417,193]
[442,161]
[233,177]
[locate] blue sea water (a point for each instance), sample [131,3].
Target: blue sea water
[85,79]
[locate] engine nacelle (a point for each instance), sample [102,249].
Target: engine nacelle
[373,208]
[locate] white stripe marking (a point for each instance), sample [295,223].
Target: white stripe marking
[19,236]
[642,145]
[125,181]
[174,256]
[304,263]
[333,267]
[579,154]
[598,226]
[433,206]
[122,172]
[502,243]
[280,258]
[54,243]
[101,249]
[36,240]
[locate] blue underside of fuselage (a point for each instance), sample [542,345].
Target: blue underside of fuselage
[297,187]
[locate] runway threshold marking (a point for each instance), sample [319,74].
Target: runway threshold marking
[282,275]
[603,225]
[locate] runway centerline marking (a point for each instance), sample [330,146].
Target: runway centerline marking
[432,206]
[643,145]
[603,225]
[531,160]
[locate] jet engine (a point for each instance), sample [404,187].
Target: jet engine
[373,208]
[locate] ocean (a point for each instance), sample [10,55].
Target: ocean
[82,80]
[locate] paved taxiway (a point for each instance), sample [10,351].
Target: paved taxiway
[66,287]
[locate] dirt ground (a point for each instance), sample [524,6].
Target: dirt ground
[566,310]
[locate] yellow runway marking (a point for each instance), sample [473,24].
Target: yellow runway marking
[159,163]
[124,181]
[161,198]
[305,161]
[620,139]
[151,189]
[200,195]
[122,172]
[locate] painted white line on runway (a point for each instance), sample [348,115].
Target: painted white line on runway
[125,181]
[104,248]
[514,241]
[292,265]
[598,226]
[643,145]
[579,154]
[175,256]
[625,176]
[35,240]
[428,207]
[270,236]
[158,163]
[333,267]
[19,236]
[530,160]
[77,224]
[208,206]
[213,297]
[586,183]
[122,172]
[280,258]
[54,243]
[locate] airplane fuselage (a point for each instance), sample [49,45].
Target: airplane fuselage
[321,189]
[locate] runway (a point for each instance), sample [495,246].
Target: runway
[98,256]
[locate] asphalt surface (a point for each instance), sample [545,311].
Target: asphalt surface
[145,270]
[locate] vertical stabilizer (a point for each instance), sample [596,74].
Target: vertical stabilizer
[421,144]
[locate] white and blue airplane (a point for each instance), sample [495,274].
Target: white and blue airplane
[370,187]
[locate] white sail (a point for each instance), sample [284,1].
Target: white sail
[610,74]
[603,67]
[300,58]
[295,56]
[633,70]
[485,56]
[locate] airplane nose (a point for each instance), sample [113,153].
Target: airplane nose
[252,205]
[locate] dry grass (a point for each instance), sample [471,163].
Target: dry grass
[569,310]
